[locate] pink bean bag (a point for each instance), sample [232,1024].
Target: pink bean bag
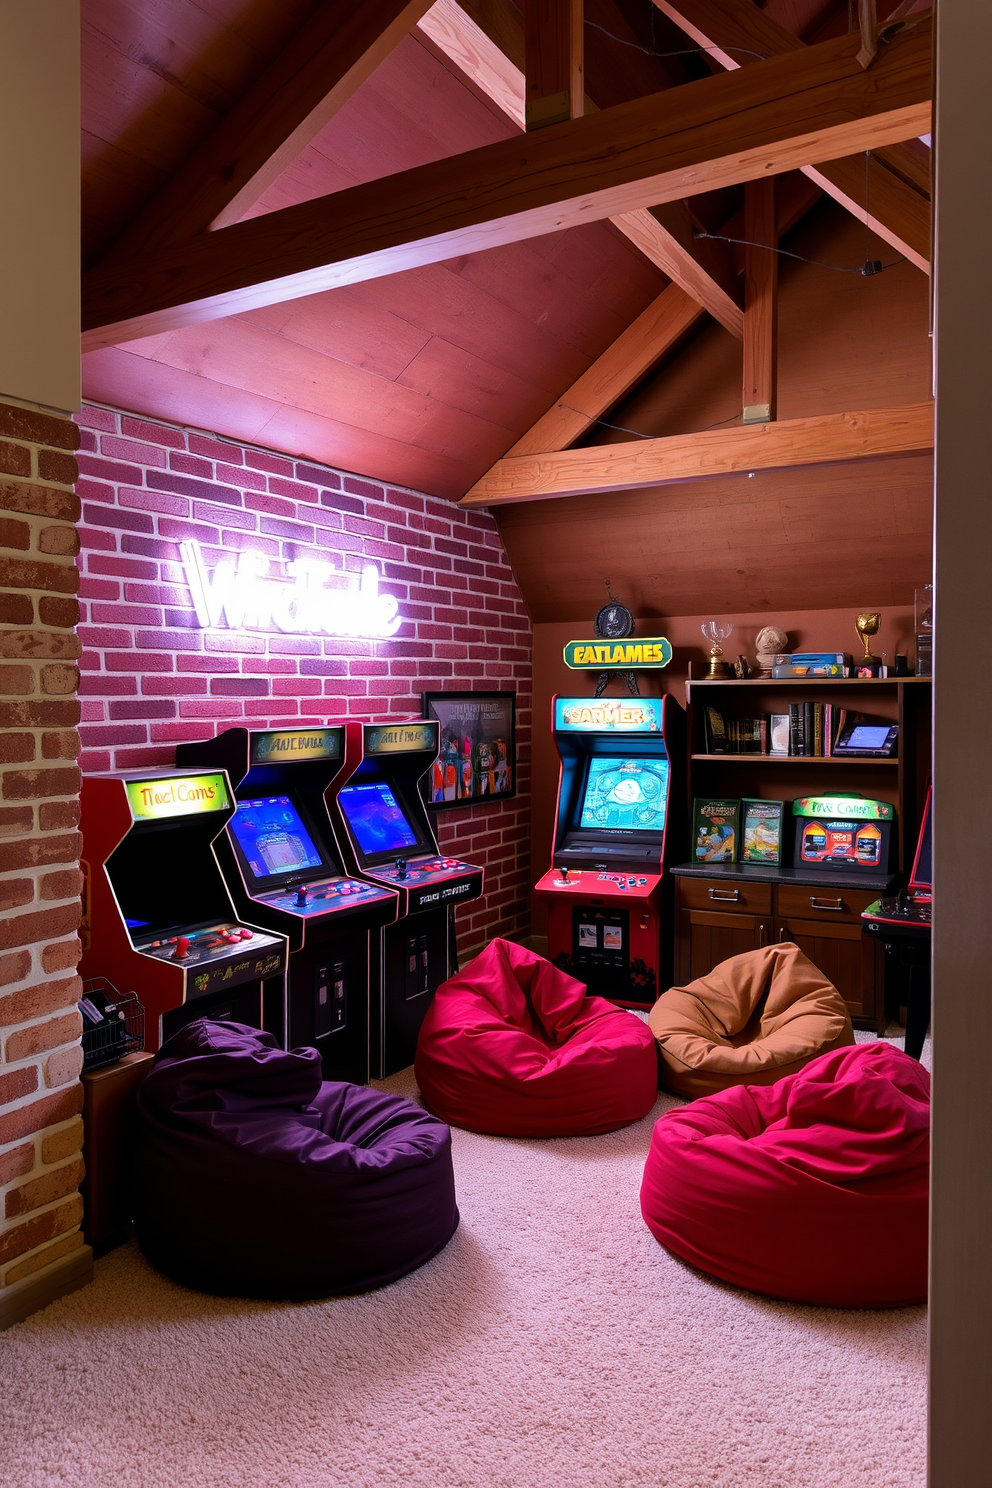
[814,1189]
[514,1047]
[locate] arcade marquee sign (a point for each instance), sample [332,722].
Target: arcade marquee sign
[177,795]
[647,653]
[239,595]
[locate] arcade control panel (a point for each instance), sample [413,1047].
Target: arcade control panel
[599,885]
[318,898]
[906,914]
[216,955]
[429,881]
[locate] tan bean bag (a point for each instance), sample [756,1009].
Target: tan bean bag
[752,1020]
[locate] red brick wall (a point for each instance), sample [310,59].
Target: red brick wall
[40,1058]
[152,677]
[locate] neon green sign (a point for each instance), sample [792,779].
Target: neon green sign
[177,795]
[650,652]
[844,808]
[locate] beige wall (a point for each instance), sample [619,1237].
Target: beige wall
[39,193]
[42,1253]
[961,1233]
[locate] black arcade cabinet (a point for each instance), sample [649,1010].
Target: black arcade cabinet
[283,868]
[387,837]
[157,916]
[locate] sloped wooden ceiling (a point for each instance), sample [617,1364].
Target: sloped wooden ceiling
[427,377]
[821,536]
[423,378]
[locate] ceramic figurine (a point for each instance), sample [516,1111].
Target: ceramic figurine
[769,641]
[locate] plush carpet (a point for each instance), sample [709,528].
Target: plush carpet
[553,1344]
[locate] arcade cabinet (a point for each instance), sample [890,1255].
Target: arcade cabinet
[619,823]
[903,924]
[387,837]
[284,871]
[157,916]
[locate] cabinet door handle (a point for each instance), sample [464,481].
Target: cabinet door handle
[762,935]
[783,934]
[815,903]
[725,896]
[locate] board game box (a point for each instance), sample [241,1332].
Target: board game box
[715,830]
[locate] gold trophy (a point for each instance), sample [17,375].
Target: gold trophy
[715,633]
[868,624]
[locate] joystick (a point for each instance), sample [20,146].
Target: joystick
[182,948]
[301,897]
[401,867]
[564,875]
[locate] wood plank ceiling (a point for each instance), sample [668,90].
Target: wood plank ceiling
[427,377]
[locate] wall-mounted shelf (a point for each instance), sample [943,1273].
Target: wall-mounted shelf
[795,759]
[808,682]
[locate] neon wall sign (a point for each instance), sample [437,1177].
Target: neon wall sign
[238,595]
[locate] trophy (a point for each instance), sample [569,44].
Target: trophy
[715,634]
[867,624]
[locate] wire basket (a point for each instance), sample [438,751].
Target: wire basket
[113,1025]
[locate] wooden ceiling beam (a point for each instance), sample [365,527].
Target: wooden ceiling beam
[663,234]
[645,342]
[759,395]
[306,84]
[737,34]
[555,75]
[720,131]
[655,332]
[606,468]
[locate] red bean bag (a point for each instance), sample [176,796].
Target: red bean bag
[814,1189]
[512,1046]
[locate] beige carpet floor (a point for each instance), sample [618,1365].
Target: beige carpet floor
[553,1344]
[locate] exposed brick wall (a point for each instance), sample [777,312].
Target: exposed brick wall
[151,677]
[40,1093]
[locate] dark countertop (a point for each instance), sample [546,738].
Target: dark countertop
[877,883]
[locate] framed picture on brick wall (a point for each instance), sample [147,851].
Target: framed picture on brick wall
[478,759]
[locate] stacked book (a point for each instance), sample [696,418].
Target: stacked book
[811,729]
[807,729]
[734,735]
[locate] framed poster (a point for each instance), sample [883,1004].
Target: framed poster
[478,759]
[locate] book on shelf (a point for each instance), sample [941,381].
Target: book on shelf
[734,735]
[812,729]
[778,733]
[715,730]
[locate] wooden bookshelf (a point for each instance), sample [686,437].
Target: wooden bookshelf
[723,909]
[901,781]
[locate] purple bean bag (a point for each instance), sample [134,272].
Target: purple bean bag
[254,1179]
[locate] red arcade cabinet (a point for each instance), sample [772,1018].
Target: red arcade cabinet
[387,837]
[283,868]
[157,917]
[619,823]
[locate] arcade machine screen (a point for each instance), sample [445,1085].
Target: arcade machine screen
[377,819]
[625,795]
[272,837]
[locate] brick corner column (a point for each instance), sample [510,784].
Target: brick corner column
[42,1251]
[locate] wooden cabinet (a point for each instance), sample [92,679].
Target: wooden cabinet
[722,912]
[707,938]
[825,923]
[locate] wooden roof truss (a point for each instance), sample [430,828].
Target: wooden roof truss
[777,108]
